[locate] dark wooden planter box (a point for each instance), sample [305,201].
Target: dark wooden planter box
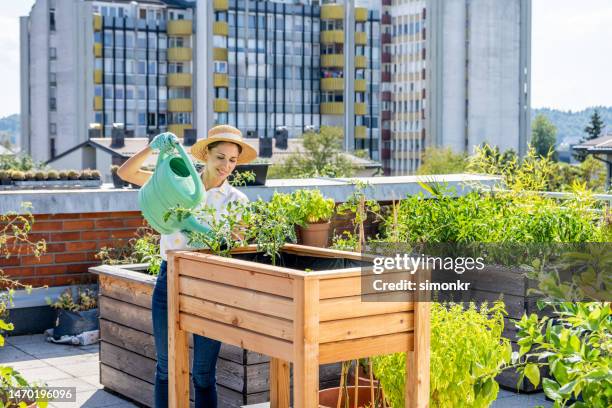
[259,169]
[127,348]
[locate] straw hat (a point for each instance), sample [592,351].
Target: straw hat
[224,133]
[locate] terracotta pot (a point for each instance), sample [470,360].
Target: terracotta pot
[328,398]
[364,378]
[315,234]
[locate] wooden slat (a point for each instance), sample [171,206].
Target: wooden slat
[130,291]
[242,298]
[354,306]
[260,343]
[320,252]
[367,326]
[365,347]
[127,338]
[178,344]
[306,346]
[245,319]
[127,385]
[263,282]
[279,383]
[417,361]
[128,362]
[340,287]
[126,314]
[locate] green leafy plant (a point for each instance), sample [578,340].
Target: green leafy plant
[14,230]
[143,248]
[241,178]
[576,347]
[467,353]
[360,207]
[86,299]
[312,206]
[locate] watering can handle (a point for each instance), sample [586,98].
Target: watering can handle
[197,194]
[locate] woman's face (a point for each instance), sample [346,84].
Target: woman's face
[221,160]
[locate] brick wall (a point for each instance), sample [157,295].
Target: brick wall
[72,242]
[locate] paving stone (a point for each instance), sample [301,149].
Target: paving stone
[79,383]
[93,380]
[28,339]
[45,350]
[11,354]
[73,359]
[43,374]
[81,369]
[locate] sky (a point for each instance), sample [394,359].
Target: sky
[571,53]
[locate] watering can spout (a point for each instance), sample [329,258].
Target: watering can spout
[175,182]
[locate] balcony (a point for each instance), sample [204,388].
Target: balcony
[179,54]
[332,37]
[220,81]
[97,76]
[180,27]
[385,38]
[220,28]
[219,54]
[180,79]
[221,105]
[385,115]
[332,108]
[361,14]
[97,103]
[332,12]
[97,49]
[386,135]
[180,105]
[361,61]
[361,132]
[361,109]
[360,85]
[332,61]
[97,22]
[179,129]
[386,57]
[385,76]
[361,38]
[220,5]
[385,19]
[386,96]
[332,84]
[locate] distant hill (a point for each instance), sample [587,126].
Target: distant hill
[10,127]
[570,125]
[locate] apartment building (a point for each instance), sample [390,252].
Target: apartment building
[104,62]
[455,73]
[291,66]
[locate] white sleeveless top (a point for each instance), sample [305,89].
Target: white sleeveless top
[217,198]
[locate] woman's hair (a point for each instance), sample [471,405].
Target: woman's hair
[217,143]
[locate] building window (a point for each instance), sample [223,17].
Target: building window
[52,52]
[52,19]
[53,128]
[52,147]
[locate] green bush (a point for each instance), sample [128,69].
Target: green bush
[467,353]
[52,175]
[312,206]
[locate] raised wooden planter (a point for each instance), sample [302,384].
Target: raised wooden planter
[303,318]
[127,348]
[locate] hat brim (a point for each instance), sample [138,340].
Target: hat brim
[247,155]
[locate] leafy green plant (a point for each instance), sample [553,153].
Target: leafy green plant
[360,207]
[14,230]
[467,353]
[576,346]
[312,206]
[143,248]
[86,299]
[241,178]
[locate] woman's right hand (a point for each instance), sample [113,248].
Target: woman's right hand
[164,142]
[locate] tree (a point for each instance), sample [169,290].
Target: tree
[322,156]
[543,136]
[438,160]
[593,130]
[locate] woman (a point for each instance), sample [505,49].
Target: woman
[221,152]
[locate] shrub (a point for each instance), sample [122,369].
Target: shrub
[52,175]
[467,353]
[5,175]
[63,175]
[95,175]
[17,175]
[30,175]
[143,248]
[87,299]
[73,175]
[40,175]
[85,175]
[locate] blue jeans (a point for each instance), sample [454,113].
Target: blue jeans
[205,352]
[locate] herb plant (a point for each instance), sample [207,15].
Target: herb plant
[312,206]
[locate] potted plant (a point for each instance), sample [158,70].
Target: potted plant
[73,175]
[63,175]
[75,316]
[53,175]
[95,175]
[30,175]
[85,175]
[17,175]
[313,216]
[40,175]
[5,177]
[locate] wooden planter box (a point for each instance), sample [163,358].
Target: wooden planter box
[127,348]
[297,317]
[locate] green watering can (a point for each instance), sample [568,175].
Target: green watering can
[175,181]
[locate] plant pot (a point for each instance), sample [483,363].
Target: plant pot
[70,323]
[328,398]
[316,235]
[364,378]
[259,169]
[118,181]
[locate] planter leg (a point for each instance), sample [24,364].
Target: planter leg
[279,383]
[178,346]
[417,361]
